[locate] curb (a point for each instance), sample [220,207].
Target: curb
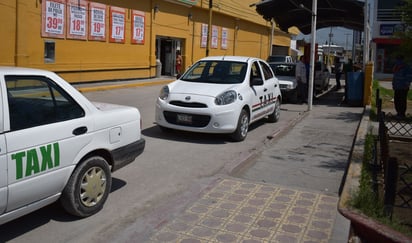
[247,160]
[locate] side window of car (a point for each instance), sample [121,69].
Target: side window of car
[36,100]
[255,73]
[267,72]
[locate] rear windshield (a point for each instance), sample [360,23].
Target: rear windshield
[283,69]
[219,72]
[276,59]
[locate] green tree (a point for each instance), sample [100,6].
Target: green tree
[406,33]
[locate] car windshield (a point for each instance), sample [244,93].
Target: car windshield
[219,72]
[283,69]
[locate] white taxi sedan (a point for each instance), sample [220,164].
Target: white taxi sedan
[57,145]
[220,94]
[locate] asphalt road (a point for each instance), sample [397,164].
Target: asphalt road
[171,172]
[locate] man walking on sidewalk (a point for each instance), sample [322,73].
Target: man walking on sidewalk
[400,84]
[300,74]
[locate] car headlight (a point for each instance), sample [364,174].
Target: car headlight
[164,93]
[226,98]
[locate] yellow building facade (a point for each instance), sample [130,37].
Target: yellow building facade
[99,40]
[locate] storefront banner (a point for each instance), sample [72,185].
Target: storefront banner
[224,38]
[53,15]
[390,29]
[138,24]
[77,19]
[97,22]
[117,24]
[215,37]
[203,41]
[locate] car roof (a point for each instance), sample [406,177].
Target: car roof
[230,58]
[10,70]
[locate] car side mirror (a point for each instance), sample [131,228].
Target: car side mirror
[257,81]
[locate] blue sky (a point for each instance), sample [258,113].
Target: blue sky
[341,36]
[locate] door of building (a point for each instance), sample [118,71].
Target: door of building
[166,48]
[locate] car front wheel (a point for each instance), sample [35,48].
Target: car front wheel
[242,127]
[87,188]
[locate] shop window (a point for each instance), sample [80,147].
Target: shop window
[49,52]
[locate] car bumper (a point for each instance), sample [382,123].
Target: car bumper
[218,119]
[127,154]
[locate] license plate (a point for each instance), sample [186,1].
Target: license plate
[183,118]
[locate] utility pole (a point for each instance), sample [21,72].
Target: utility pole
[313,50]
[209,27]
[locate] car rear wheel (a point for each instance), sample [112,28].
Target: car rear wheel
[242,127]
[274,117]
[88,187]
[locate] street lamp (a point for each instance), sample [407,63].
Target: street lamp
[312,50]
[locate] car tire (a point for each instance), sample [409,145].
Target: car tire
[274,117]
[88,187]
[242,127]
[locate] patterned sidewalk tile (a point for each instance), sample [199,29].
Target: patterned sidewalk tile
[235,210]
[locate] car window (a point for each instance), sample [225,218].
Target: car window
[284,69]
[276,59]
[267,72]
[255,73]
[219,72]
[36,100]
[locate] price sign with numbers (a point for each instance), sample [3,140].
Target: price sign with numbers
[224,38]
[215,35]
[138,27]
[97,28]
[53,16]
[77,19]
[117,24]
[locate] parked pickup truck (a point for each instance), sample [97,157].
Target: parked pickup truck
[57,145]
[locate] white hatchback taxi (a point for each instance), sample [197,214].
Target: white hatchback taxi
[220,94]
[55,144]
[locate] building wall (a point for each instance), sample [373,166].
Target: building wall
[87,60]
[387,21]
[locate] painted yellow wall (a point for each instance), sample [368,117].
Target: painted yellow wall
[86,60]
[7,31]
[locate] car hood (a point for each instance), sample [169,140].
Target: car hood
[196,88]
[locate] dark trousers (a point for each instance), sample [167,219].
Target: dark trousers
[337,76]
[400,99]
[303,91]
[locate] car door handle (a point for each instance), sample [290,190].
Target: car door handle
[79,131]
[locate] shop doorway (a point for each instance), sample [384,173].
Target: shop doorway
[166,48]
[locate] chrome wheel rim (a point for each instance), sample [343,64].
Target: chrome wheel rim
[244,125]
[277,110]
